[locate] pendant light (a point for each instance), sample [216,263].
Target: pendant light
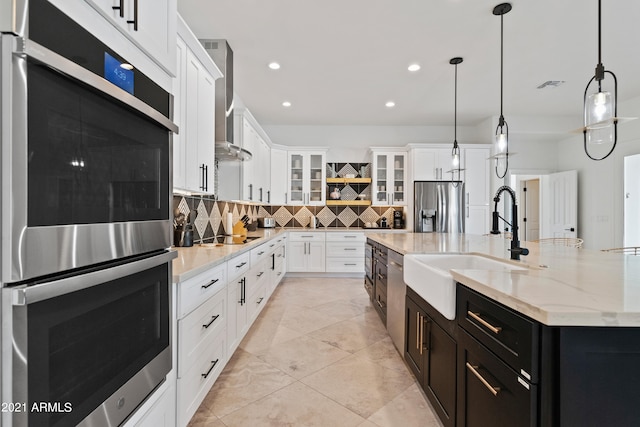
[502,130]
[601,107]
[455,152]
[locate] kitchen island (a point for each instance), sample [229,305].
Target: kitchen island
[554,344]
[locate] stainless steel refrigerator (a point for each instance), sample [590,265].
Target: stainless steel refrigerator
[438,206]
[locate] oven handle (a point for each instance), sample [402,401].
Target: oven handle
[60,63]
[40,292]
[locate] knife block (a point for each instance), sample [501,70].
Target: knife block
[239,229]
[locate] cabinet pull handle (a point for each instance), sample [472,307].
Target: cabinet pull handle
[268,196]
[350,237]
[349,249]
[260,300]
[417,331]
[492,389]
[261,252]
[120,8]
[211,283]
[285,198]
[214,363]
[420,326]
[241,265]
[135,16]
[260,193]
[381,277]
[250,191]
[307,236]
[380,304]
[349,264]
[476,316]
[213,319]
[260,274]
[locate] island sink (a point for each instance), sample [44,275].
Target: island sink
[430,277]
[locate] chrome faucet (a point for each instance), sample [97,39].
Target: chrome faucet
[516,250]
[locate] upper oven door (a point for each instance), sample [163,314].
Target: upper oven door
[89,166]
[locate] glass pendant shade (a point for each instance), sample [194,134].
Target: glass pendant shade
[455,160]
[599,116]
[501,143]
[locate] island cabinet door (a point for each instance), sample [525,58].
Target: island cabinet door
[440,372]
[490,393]
[414,342]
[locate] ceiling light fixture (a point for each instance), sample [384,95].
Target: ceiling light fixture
[502,130]
[601,107]
[286,104]
[390,104]
[274,65]
[455,152]
[413,67]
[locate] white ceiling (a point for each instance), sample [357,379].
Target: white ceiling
[343,59]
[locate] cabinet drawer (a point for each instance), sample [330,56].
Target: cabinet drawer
[346,237]
[238,265]
[513,337]
[195,384]
[345,265]
[381,275]
[345,249]
[257,275]
[301,236]
[380,303]
[197,329]
[262,252]
[195,291]
[256,301]
[490,392]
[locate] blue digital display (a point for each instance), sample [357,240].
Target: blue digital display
[117,75]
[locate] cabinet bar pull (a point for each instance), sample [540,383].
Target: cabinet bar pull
[241,265]
[420,324]
[476,316]
[349,264]
[260,300]
[349,249]
[260,253]
[492,389]
[211,283]
[350,237]
[213,319]
[417,331]
[260,274]
[311,237]
[135,16]
[120,8]
[206,374]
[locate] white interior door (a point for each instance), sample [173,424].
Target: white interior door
[631,200]
[560,204]
[529,200]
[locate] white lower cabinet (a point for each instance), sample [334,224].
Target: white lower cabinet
[163,411]
[345,252]
[306,251]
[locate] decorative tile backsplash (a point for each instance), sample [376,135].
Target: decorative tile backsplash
[209,215]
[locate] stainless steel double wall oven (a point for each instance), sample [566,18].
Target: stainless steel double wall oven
[86,196]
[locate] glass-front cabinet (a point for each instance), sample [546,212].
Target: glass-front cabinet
[306,177]
[389,175]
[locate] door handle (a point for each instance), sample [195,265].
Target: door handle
[120,7]
[570,229]
[474,371]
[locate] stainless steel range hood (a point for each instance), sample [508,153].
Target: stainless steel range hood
[222,55]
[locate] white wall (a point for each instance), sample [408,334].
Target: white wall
[601,184]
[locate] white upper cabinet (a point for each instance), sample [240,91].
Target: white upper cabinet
[306,177]
[389,178]
[255,173]
[149,24]
[194,108]
[278,177]
[432,164]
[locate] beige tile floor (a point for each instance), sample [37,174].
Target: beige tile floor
[318,355]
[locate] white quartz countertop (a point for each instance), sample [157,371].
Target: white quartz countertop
[561,287]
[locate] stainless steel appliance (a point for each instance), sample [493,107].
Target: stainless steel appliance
[438,206]
[85,149]
[396,297]
[266,222]
[98,342]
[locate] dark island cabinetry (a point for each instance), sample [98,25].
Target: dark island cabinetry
[430,352]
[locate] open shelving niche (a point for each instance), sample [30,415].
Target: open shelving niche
[350,188]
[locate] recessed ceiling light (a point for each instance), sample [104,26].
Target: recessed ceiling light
[274,65]
[390,104]
[413,67]
[286,104]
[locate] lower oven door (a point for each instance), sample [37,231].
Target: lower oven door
[89,348]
